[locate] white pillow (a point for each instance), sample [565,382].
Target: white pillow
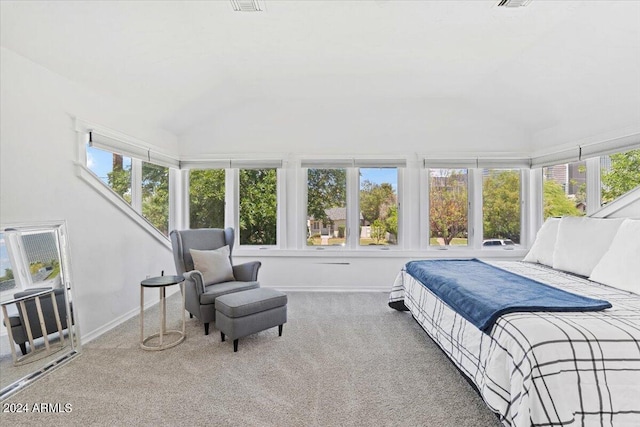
[542,249]
[620,265]
[581,243]
[214,265]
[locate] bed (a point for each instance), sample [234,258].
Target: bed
[549,368]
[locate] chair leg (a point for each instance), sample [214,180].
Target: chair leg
[280,330]
[190,315]
[23,348]
[222,336]
[235,345]
[206,328]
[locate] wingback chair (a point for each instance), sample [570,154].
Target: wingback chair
[200,296]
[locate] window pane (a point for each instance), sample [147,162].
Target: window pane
[448,207]
[258,206]
[501,207]
[155,196]
[113,169]
[619,173]
[326,207]
[206,198]
[378,206]
[565,190]
[41,249]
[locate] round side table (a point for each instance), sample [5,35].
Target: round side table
[161,283]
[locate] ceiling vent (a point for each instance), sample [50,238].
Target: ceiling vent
[247,5]
[513,3]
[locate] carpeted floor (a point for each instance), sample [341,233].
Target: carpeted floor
[345,359]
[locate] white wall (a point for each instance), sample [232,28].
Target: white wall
[345,126]
[110,254]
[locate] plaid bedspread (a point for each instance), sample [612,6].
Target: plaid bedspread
[544,369]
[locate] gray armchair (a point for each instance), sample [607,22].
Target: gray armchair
[17,318]
[200,298]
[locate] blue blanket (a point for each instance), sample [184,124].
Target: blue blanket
[481,293]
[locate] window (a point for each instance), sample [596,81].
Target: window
[258,206]
[144,185]
[448,207]
[500,207]
[206,198]
[37,259]
[619,173]
[565,190]
[378,206]
[326,207]
[155,196]
[112,169]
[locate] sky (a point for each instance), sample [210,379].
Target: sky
[380,176]
[100,162]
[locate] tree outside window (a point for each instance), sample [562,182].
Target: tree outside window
[448,207]
[206,198]
[155,196]
[113,169]
[501,204]
[378,206]
[564,190]
[258,206]
[619,173]
[326,206]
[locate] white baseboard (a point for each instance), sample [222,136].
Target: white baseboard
[85,338]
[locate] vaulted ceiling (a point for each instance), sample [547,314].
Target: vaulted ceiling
[548,72]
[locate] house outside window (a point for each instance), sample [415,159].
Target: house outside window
[326,207]
[564,190]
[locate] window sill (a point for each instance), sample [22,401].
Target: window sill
[517,254]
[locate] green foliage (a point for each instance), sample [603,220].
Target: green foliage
[206,198]
[119,178]
[623,176]
[501,205]
[391,223]
[378,230]
[155,196]
[8,274]
[327,188]
[556,202]
[448,208]
[376,200]
[258,206]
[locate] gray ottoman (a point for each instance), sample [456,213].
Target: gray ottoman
[244,313]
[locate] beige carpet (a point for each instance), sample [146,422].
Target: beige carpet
[345,359]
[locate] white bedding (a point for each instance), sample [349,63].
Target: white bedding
[544,369]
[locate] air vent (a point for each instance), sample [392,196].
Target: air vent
[247,5]
[513,3]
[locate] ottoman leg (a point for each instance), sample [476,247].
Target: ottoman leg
[235,345]
[280,330]
[222,336]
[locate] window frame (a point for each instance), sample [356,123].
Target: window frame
[352,168]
